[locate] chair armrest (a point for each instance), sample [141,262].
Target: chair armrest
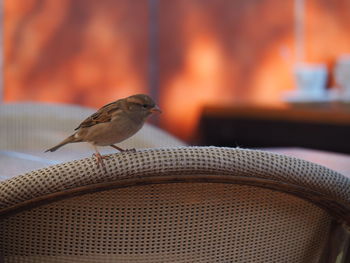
[320,185]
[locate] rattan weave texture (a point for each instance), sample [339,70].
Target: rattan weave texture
[178,222]
[199,204]
[180,162]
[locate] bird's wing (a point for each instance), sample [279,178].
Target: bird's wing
[102,115]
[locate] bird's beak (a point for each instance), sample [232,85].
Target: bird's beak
[155,109]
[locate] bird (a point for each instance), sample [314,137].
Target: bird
[112,123]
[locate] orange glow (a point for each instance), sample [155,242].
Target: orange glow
[274,74]
[90,52]
[198,84]
[327,30]
[71,52]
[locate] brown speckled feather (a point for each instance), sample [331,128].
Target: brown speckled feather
[113,123]
[102,115]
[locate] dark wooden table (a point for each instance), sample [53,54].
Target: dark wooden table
[323,127]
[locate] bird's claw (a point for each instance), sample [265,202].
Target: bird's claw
[99,160]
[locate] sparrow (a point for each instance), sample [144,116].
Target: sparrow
[113,123]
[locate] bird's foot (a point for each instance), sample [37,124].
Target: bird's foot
[99,160]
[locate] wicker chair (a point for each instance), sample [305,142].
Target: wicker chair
[182,204]
[169,204]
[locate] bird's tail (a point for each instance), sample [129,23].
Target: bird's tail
[69,139]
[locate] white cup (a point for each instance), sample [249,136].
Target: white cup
[311,79]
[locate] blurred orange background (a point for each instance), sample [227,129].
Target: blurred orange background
[90,52]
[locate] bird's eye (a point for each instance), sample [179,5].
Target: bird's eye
[145,106]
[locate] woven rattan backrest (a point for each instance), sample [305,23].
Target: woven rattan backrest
[179,222]
[185,204]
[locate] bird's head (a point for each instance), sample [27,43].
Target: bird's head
[142,105]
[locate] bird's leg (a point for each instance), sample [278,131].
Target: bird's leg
[121,149]
[99,159]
